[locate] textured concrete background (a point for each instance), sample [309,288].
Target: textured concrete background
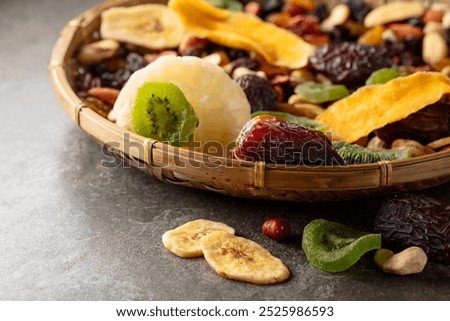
[72,230]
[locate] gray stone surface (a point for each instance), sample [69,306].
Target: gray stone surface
[73,230]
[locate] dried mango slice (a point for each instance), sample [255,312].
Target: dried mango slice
[240,30]
[373,107]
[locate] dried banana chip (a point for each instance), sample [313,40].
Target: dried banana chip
[240,259]
[184,241]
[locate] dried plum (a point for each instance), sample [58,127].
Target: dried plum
[424,126]
[260,93]
[350,63]
[416,220]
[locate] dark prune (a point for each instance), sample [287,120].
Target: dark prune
[416,220]
[424,126]
[350,63]
[358,8]
[260,93]
[274,140]
[267,6]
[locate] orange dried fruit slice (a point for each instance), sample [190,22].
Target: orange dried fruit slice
[244,31]
[373,107]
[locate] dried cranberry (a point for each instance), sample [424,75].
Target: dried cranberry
[350,63]
[274,140]
[424,126]
[416,220]
[260,93]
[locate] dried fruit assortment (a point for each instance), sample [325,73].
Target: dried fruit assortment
[352,69]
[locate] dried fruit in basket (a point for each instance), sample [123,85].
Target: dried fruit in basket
[153,26]
[184,241]
[162,112]
[416,220]
[373,107]
[275,140]
[239,30]
[320,93]
[241,259]
[220,104]
[355,154]
[334,247]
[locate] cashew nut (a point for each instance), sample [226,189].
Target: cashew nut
[416,148]
[410,261]
[338,15]
[393,11]
[95,52]
[434,47]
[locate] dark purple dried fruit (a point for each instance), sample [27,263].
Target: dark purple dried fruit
[260,93]
[447,35]
[341,33]
[424,126]
[246,62]
[358,8]
[274,140]
[321,12]
[416,220]
[267,6]
[350,63]
[135,62]
[416,22]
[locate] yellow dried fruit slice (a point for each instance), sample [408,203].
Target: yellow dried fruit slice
[240,259]
[373,107]
[244,31]
[184,241]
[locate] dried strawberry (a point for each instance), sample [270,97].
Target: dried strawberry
[274,140]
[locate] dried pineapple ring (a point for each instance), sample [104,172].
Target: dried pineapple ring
[239,30]
[373,107]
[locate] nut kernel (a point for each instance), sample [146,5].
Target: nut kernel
[410,261]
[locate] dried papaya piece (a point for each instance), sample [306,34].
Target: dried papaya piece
[373,107]
[244,31]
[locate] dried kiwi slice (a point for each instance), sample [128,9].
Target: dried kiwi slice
[320,93]
[302,121]
[162,112]
[334,247]
[382,76]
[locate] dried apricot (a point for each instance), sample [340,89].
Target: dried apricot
[373,107]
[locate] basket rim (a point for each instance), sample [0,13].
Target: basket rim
[261,175]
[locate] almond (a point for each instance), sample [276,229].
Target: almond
[406,31]
[433,15]
[105,94]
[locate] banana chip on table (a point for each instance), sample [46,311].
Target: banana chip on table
[153,26]
[184,241]
[240,259]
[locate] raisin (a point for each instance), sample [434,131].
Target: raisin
[341,33]
[416,220]
[260,93]
[274,140]
[321,12]
[447,35]
[416,22]
[358,8]
[424,126]
[350,63]
[135,62]
[246,62]
[304,24]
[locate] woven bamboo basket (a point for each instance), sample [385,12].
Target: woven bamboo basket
[224,175]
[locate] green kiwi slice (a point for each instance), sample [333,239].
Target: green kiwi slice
[162,112]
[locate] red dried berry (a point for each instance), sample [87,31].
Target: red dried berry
[277,229]
[274,140]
